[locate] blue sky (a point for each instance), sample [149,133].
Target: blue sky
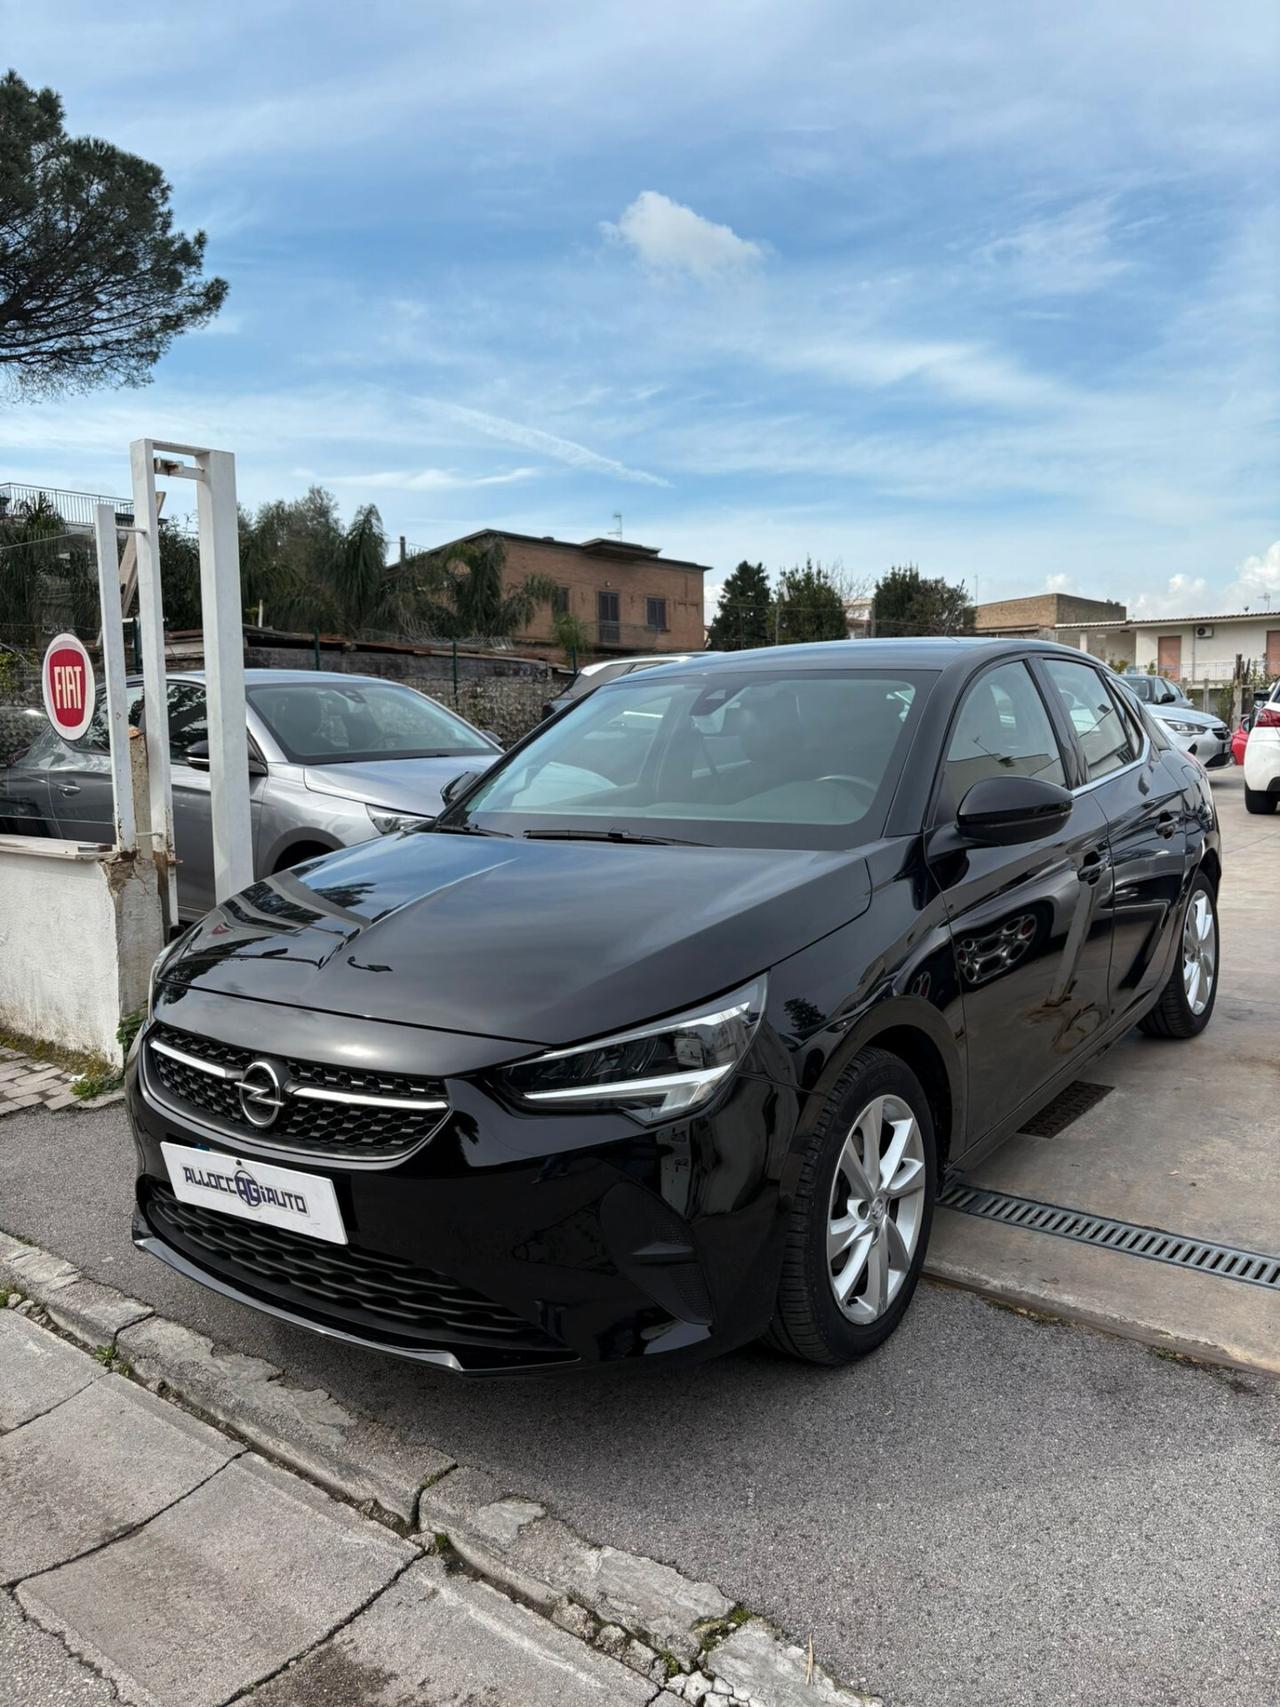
[992,289]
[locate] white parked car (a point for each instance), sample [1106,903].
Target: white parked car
[1262,757]
[1201,733]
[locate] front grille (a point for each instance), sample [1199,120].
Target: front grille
[385,1296]
[319,1124]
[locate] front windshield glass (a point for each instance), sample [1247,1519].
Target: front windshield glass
[330,723]
[798,759]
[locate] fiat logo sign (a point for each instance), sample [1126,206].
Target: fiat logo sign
[67,681]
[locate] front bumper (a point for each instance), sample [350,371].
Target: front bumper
[506,1242]
[1211,746]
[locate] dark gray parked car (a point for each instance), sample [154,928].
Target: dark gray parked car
[334,759]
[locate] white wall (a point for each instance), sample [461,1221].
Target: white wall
[1211,659]
[77,938]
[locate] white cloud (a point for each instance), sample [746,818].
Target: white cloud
[429,479]
[1256,578]
[673,238]
[1058,584]
[550,444]
[1060,254]
[1184,595]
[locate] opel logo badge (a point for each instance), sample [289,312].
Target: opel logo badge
[261,1093]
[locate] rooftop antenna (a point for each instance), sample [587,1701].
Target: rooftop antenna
[617,524]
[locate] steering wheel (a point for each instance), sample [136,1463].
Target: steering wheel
[859,783]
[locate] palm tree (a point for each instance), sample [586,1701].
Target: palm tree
[48,576]
[465,595]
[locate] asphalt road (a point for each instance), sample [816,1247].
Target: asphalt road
[990,1510]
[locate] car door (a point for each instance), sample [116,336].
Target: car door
[192,821]
[79,775]
[1141,793]
[1030,931]
[26,808]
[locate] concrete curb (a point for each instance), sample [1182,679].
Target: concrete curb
[687,1638]
[1069,1308]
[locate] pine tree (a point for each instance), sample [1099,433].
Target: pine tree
[809,606]
[94,282]
[744,617]
[905,603]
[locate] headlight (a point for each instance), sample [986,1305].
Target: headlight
[1184,728]
[162,959]
[386,823]
[655,1072]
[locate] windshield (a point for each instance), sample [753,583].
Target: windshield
[751,759]
[327,723]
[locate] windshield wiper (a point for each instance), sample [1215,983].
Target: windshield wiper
[466,830]
[608,836]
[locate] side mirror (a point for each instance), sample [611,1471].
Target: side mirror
[197,757]
[1001,811]
[458,785]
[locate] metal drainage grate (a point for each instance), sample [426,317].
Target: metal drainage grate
[1067,1106]
[1199,1255]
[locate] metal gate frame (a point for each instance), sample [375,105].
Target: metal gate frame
[214,474]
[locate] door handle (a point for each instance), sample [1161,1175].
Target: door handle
[68,788]
[1091,866]
[1166,824]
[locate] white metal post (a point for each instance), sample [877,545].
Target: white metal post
[224,673]
[113,670]
[156,702]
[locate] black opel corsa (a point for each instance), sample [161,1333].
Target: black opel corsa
[662,1037]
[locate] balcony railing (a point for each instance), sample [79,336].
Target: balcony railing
[75,508]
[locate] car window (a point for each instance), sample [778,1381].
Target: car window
[750,758]
[50,752]
[333,723]
[1001,729]
[1132,716]
[1106,739]
[188,719]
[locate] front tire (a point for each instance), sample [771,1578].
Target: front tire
[1186,1002]
[859,1220]
[1257,802]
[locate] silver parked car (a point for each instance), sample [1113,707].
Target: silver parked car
[333,759]
[1200,733]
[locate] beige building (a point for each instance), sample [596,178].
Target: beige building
[1195,650]
[628,597]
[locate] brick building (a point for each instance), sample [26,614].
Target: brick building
[1040,614]
[628,597]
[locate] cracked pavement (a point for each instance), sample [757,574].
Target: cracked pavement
[145,1557]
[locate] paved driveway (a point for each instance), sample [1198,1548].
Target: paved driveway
[992,1509]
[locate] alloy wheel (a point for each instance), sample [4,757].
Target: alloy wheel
[1199,951]
[876,1209]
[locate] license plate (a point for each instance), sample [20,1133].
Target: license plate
[256,1191]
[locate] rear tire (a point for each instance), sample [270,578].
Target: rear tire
[1257,802]
[849,1229]
[1185,1007]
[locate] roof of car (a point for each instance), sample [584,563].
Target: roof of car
[254,676]
[916,652]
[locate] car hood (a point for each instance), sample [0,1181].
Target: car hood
[1186,714]
[405,785]
[539,942]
